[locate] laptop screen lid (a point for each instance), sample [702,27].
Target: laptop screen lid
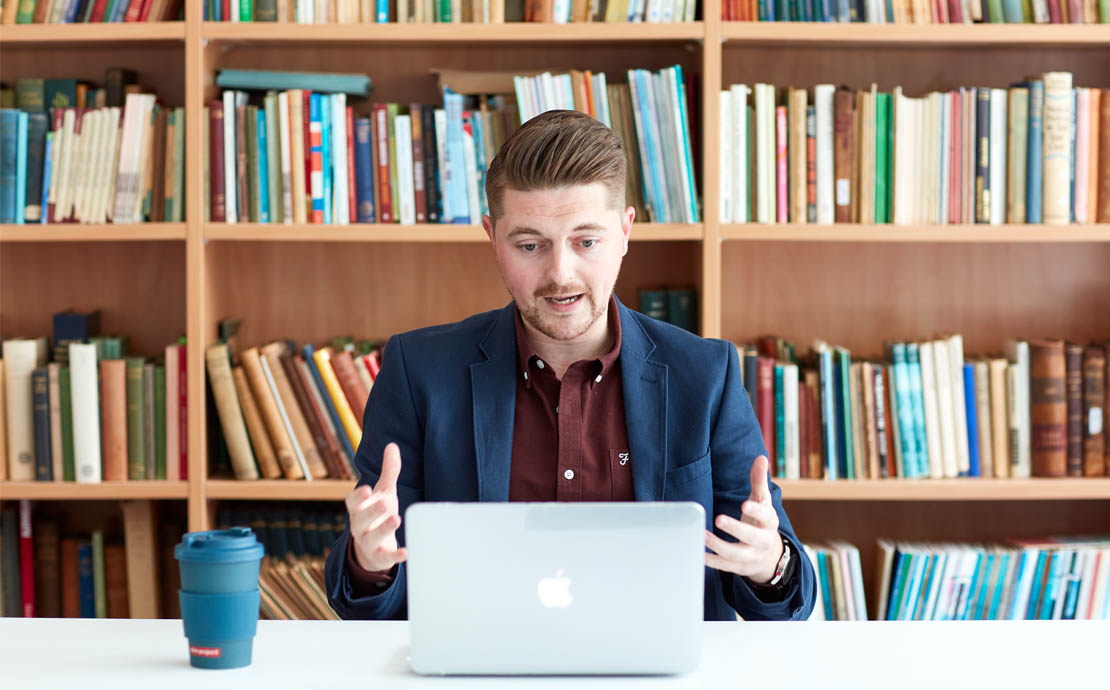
[555,588]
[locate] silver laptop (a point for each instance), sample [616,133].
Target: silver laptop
[555,588]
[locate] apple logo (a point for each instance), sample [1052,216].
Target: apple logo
[554,592]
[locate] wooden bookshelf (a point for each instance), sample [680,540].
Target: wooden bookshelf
[116,491]
[853,285]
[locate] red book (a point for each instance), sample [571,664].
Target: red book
[26,559]
[216,190]
[381,121]
[1055,16]
[144,13]
[803,428]
[133,11]
[306,123]
[98,11]
[765,404]
[415,110]
[955,12]
[225,12]
[352,194]
[373,363]
[183,410]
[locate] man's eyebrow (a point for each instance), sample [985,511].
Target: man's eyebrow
[523,230]
[583,227]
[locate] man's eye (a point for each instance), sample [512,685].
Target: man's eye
[588,243]
[529,247]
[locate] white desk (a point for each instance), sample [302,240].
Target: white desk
[151,655]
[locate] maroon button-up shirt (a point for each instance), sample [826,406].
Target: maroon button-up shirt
[570,442]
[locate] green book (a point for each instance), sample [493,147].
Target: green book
[100,589]
[147,209]
[273,154]
[882,152]
[136,446]
[392,111]
[30,94]
[246,10]
[653,303]
[25,13]
[159,422]
[7,98]
[1104,11]
[148,419]
[60,93]
[251,115]
[780,426]
[994,11]
[69,471]
[844,357]
[265,11]
[179,167]
[682,309]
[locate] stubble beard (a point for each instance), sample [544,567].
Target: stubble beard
[561,328]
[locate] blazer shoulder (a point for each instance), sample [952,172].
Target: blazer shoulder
[460,338]
[674,345]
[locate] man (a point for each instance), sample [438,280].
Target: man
[566,395]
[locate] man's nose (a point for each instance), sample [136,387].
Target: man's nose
[561,268]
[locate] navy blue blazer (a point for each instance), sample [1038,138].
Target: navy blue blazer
[446,396]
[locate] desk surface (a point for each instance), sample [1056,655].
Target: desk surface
[151,655]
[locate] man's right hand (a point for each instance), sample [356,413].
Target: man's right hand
[374,517]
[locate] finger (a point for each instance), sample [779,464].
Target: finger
[356,498]
[391,468]
[747,534]
[759,514]
[374,537]
[372,516]
[761,493]
[740,567]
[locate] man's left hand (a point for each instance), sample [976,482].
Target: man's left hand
[758,548]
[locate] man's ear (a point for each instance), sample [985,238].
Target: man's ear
[627,218]
[487,225]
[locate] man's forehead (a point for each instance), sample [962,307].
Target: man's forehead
[519,229]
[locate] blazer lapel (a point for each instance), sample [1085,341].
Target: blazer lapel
[645,408]
[493,390]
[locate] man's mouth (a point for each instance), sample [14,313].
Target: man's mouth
[570,299]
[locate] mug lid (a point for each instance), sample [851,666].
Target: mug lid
[219,546]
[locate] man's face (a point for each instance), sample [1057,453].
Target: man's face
[559,251]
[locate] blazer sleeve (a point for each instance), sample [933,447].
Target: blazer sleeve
[735,443]
[391,416]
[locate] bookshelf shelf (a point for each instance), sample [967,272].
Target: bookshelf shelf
[105,491]
[794,232]
[896,35]
[34,35]
[451,33]
[945,489]
[107,232]
[428,232]
[278,490]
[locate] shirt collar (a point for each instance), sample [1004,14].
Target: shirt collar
[527,359]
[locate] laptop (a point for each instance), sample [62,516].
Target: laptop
[555,588]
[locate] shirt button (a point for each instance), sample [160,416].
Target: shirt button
[556,409]
[539,363]
[526,376]
[598,379]
[569,474]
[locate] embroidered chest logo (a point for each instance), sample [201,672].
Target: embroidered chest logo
[624,458]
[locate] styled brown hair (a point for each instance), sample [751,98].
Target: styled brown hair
[557,149]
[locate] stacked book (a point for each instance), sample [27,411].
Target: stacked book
[919,11]
[73,153]
[1050,579]
[1036,152]
[925,410]
[840,595]
[91,411]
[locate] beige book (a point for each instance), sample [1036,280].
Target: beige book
[983,417]
[866,138]
[3,427]
[496,11]
[884,564]
[797,123]
[141,547]
[146,161]
[932,410]
[1000,425]
[363,373]
[252,365]
[1056,197]
[64,207]
[21,357]
[837,582]
[8,17]
[296,149]
[1092,190]
[53,373]
[867,383]
[256,428]
[113,418]
[173,412]
[942,375]
[311,453]
[218,364]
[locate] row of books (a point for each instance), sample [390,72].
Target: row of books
[292,413]
[1037,152]
[919,11]
[90,11]
[676,306]
[451,11]
[92,412]
[296,542]
[927,411]
[1052,579]
[117,156]
[48,570]
[840,591]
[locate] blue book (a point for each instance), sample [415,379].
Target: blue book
[21,169]
[326,154]
[982,593]
[71,12]
[908,568]
[999,585]
[383,11]
[642,102]
[823,574]
[782,10]
[841,432]
[1034,160]
[922,575]
[344,441]
[780,426]
[968,605]
[86,589]
[751,369]
[364,170]
[1048,594]
[913,361]
[972,421]
[9,151]
[47,168]
[455,182]
[263,171]
[897,567]
[1071,155]
[932,572]
[904,409]
[277,80]
[844,361]
[1035,591]
[829,433]
[1071,596]
[766,10]
[1026,560]
[317,195]
[478,130]
[687,159]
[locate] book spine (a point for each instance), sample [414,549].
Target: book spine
[1057,125]
[1073,355]
[40,401]
[1093,415]
[381,133]
[1048,399]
